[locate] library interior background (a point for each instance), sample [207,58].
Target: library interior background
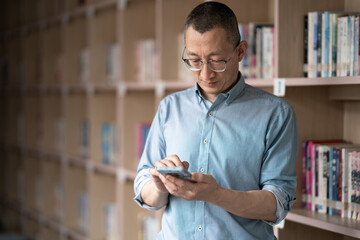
[81,80]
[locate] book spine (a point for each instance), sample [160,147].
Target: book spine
[319,45]
[306,37]
[309,176]
[356,46]
[311,46]
[110,221]
[325,45]
[304,171]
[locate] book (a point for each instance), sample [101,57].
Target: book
[268,56]
[325,42]
[84,65]
[84,139]
[110,212]
[109,143]
[312,43]
[150,227]
[83,212]
[306,37]
[346,179]
[112,62]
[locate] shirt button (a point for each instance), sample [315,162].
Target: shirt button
[210,114]
[200,228]
[202,170]
[205,141]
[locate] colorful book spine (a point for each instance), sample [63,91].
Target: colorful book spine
[109,143]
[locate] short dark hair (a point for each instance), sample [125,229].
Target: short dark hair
[208,15]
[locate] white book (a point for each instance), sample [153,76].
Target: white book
[110,212]
[267,52]
[312,53]
[83,212]
[112,62]
[323,176]
[346,180]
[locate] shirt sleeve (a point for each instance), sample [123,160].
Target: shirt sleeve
[283,203]
[154,150]
[278,174]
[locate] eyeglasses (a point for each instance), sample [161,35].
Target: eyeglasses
[214,65]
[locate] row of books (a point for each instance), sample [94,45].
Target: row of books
[331,178]
[112,63]
[109,220]
[259,59]
[331,44]
[146,60]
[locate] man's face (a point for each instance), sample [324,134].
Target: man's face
[213,45]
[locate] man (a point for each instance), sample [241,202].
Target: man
[239,142]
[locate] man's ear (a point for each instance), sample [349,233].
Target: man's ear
[242,49]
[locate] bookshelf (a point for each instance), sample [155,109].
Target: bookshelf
[57,90]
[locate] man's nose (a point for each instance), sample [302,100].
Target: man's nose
[206,72]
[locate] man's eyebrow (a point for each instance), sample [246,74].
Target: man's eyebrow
[215,53]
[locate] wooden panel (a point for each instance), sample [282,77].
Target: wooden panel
[74,41]
[352,121]
[51,54]
[317,117]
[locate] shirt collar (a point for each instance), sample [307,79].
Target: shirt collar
[230,95]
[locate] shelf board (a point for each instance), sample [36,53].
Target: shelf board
[120,173]
[326,222]
[303,82]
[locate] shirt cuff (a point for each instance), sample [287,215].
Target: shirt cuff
[284,202]
[141,179]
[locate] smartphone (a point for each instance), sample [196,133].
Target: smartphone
[179,172]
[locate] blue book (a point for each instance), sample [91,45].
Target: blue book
[325,44]
[105,143]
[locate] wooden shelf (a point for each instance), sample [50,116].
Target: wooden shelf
[336,224]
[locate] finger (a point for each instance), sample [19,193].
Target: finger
[199,177]
[186,164]
[175,159]
[164,163]
[168,162]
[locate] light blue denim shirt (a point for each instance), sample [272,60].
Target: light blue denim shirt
[247,140]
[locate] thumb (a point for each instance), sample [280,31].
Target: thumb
[186,164]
